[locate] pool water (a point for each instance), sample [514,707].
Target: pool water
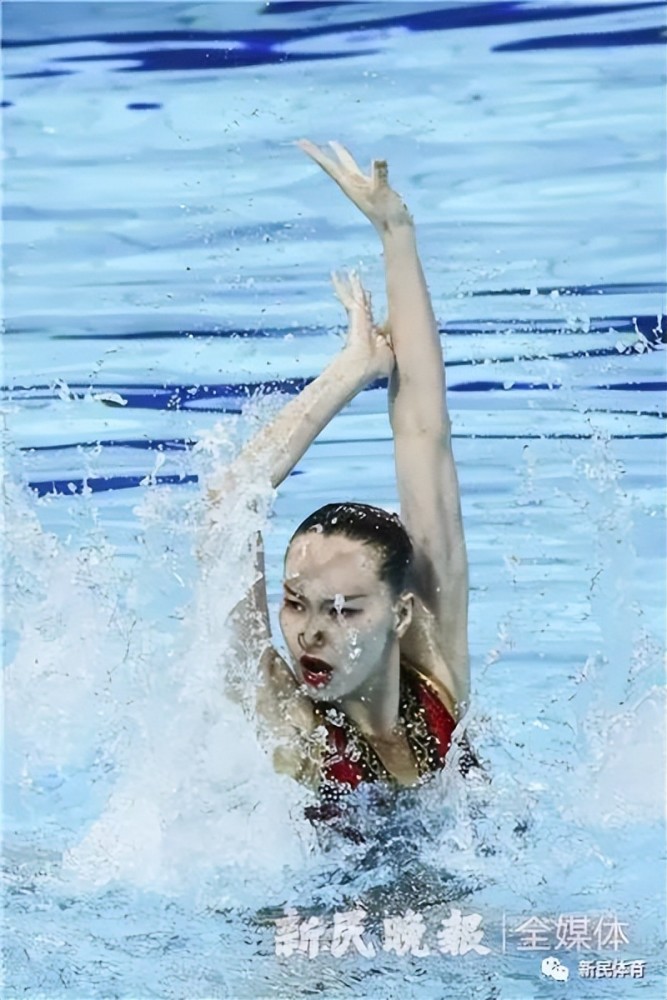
[167,252]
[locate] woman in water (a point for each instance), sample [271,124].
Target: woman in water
[375,608]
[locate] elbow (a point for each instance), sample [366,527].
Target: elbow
[428,428]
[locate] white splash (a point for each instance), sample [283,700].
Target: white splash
[90,680]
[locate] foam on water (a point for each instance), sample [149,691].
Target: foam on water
[94,685]
[135,770]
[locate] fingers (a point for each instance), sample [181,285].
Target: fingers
[316,154]
[330,166]
[379,168]
[339,288]
[345,157]
[344,284]
[344,289]
[361,295]
[344,278]
[350,290]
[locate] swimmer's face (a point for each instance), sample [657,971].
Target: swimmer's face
[337,610]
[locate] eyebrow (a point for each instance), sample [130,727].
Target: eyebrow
[349,597]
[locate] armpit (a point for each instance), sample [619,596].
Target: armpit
[421,645]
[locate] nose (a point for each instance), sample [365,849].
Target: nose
[311,636]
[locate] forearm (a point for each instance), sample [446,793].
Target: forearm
[277,448]
[418,388]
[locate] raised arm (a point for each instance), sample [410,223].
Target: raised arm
[426,474]
[425,468]
[275,449]
[283,713]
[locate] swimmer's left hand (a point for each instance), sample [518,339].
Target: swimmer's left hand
[368,346]
[371,193]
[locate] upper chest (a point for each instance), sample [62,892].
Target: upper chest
[398,759]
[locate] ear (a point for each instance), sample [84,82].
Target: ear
[403,610]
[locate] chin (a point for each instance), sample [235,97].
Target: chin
[318,694]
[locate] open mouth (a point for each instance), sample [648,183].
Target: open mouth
[316,673]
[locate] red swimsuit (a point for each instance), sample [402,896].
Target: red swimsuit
[350,759]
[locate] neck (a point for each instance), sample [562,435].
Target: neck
[374,706]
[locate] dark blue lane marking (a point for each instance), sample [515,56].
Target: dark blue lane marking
[438,19]
[477,14]
[588,40]
[614,288]
[297,6]
[632,386]
[142,106]
[533,436]
[161,60]
[489,386]
[102,484]
[177,397]
[228,334]
[160,397]
[141,444]
[149,403]
[661,415]
[189,393]
[6,104]
[184,444]
[653,330]
[561,437]
[257,47]
[39,74]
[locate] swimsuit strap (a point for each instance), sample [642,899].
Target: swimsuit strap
[418,729]
[434,685]
[433,721]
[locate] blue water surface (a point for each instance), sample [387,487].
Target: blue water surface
[167,251]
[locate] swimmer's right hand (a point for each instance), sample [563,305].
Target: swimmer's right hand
[368,346]
[370,193]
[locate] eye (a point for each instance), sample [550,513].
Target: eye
[294,605]
[345,612]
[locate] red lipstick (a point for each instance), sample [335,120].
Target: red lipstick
[316,673]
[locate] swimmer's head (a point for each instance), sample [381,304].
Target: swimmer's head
[371,526]
[345,603]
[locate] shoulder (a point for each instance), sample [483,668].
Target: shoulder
[280,701]
[286,718]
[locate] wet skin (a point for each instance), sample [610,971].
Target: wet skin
[337,609]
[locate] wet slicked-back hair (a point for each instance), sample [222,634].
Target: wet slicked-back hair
[372,526]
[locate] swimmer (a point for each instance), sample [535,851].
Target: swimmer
[375,607]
